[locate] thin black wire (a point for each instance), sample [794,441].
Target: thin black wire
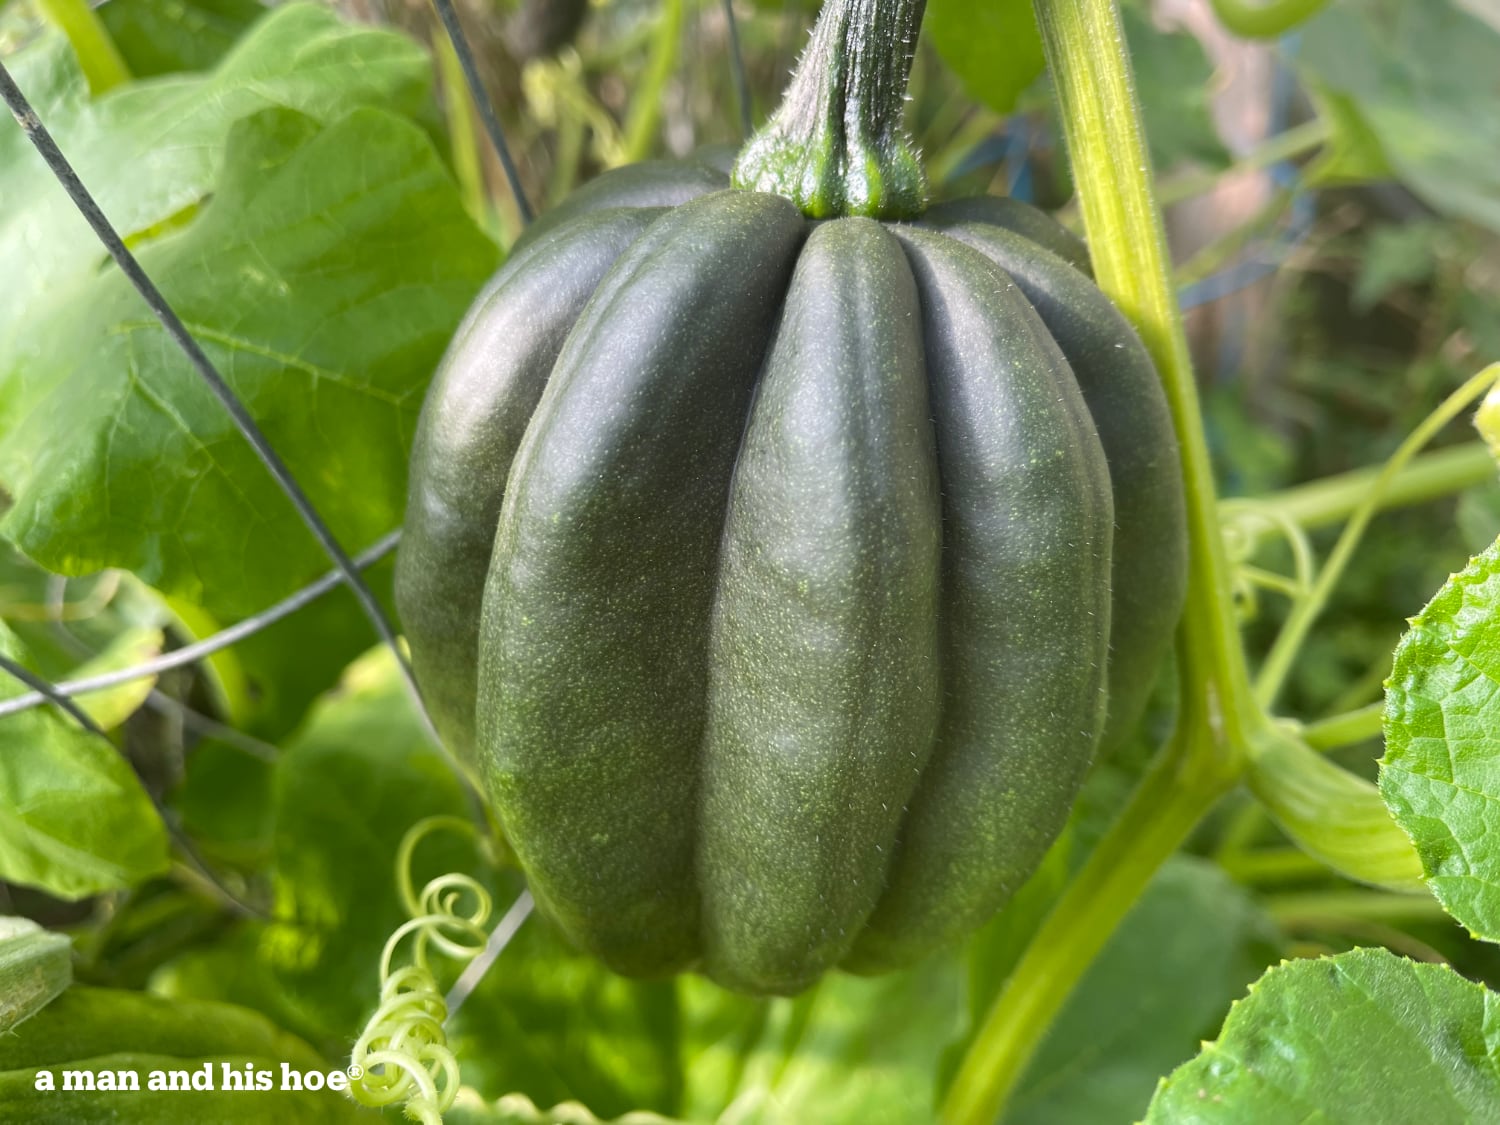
[191,654]
[48,693]
[483,104]
[37,133]
[737,69]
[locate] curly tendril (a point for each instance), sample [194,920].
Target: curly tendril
[1245,523]
[403,1054]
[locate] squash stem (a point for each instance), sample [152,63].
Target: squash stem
[835,146]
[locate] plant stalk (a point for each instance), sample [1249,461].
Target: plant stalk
[1170,802]
[1219,719]
[1090,66]
[1346,729]
[98,57]
[1429,476]
[835,145]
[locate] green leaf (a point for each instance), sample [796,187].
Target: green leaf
[1187,948]
[1478,515]
[995,50]
[993,46]
[34,967]
[288,665]
[162,36]
[225,802]
[230,969]
[170,134]
[111,707]
[324,278]
[1441,772]
[1420,76]
[518,1109]
[1353,153]
[74,819]
[1362,1037]
[102,1021]
[347,788]
[1332,814]
[97,1030]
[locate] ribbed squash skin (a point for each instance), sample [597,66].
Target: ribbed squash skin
[765,567]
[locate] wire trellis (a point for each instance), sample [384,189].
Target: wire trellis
[110,238]
[346,570]
[191,654]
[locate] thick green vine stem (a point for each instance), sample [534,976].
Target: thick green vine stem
[1219,719]
[835,146]
[1181,787]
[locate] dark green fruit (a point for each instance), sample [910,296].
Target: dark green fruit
[764,567]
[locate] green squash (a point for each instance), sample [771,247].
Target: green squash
[781,576]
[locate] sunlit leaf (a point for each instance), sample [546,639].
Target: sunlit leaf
[74,819]
[321,257]
[1441,772]
[349,785]
[110,1032]
[35,966]
[111,707]
[1362,1037]
[993,46]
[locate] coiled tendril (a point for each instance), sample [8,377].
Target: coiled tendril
[403,1054]
[1245,523]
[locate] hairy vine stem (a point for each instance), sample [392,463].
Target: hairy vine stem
[1225,731]
[1219,719]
